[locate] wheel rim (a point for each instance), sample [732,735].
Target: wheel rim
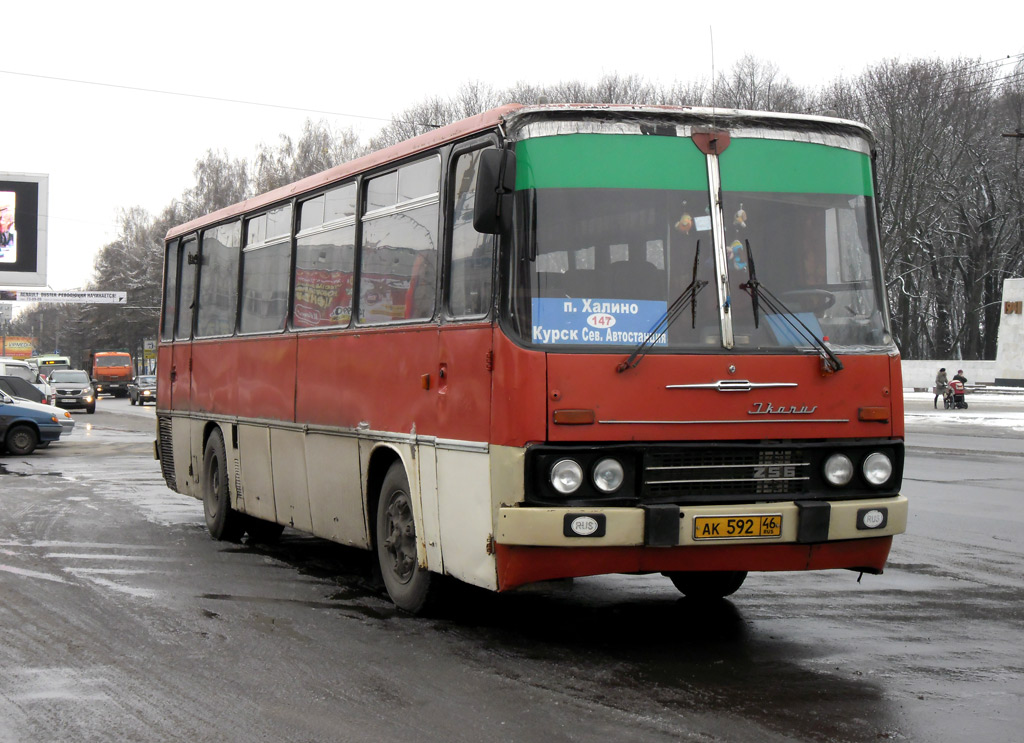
[21,440]
[400,537]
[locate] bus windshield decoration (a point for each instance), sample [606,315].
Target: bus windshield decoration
[434,353]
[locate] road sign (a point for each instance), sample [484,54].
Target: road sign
[31,295]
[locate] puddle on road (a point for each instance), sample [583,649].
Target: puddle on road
[30,473]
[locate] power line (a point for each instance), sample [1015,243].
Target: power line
[198,96]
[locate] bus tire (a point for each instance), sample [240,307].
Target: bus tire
[223,522]
[408,584]
[708,584]
[21,440]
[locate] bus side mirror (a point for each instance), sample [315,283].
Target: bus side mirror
[495,182]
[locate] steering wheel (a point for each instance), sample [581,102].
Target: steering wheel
[809,299]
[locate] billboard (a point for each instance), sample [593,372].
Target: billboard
[23,210]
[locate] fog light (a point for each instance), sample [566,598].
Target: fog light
[877,468]
[608,475]
[838,469]
[566,476]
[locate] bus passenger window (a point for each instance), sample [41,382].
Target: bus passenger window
[325,259]
[186,297]
[471,252]
[265,268]
[170,291]
[218,281]
[398,261]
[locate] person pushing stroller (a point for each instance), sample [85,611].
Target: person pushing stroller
[954,397]
[941,383]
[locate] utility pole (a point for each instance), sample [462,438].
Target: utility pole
[1019,133]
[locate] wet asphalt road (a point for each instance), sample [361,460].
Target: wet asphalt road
[120,620]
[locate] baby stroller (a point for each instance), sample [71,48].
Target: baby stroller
[953,397]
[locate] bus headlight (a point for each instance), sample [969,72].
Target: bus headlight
[838,469]
[608,475]
[877,468]
[566,476]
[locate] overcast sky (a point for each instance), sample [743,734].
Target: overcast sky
[110,146]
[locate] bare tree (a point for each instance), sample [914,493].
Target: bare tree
[757,85]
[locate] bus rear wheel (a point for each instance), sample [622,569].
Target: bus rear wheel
[408,584]
[708,584]
[223,522]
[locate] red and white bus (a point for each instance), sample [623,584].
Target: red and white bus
[549,342]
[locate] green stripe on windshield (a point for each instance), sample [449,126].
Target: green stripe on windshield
[675,163]
[610,161]
[781,166]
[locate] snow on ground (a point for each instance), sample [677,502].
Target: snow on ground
[996,409]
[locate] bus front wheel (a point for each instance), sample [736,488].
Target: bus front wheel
[709,584]
[407,583]
[223,522]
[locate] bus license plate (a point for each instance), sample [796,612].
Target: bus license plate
[761,526]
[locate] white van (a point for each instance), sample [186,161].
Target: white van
[21,369]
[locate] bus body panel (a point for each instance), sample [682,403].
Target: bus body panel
[333,477]
[291,493]
[657,400]
[256,497]
[368,380]
[518,402]
[465,514]
[217,384]
[180,374]
[265,378]
[896,384]
[464,382]
[164,360]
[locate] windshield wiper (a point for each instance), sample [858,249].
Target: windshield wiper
[675,309]
[830,363]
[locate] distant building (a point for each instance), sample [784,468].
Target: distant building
[1009,369]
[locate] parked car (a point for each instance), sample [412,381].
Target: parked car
[142,389]
[73,389]
[18,387]
[18,368]
[26,425]
[67,423]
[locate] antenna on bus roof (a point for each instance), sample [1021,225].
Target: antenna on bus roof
[711,35]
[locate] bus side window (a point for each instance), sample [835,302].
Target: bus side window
[265,271]
[218,281]
[471,253]
[398,261]
[170,291]
[187,261]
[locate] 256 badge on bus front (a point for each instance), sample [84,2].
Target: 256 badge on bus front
[760,526]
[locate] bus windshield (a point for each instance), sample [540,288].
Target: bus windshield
[598,260]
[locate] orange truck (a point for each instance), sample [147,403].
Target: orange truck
[111,372]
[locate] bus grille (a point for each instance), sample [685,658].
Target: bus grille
[167,453]
[714,473]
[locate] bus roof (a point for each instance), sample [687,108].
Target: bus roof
[514,114]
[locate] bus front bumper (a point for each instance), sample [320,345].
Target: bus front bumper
[534,544]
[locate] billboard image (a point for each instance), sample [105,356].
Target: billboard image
[23,209]
[8,228]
